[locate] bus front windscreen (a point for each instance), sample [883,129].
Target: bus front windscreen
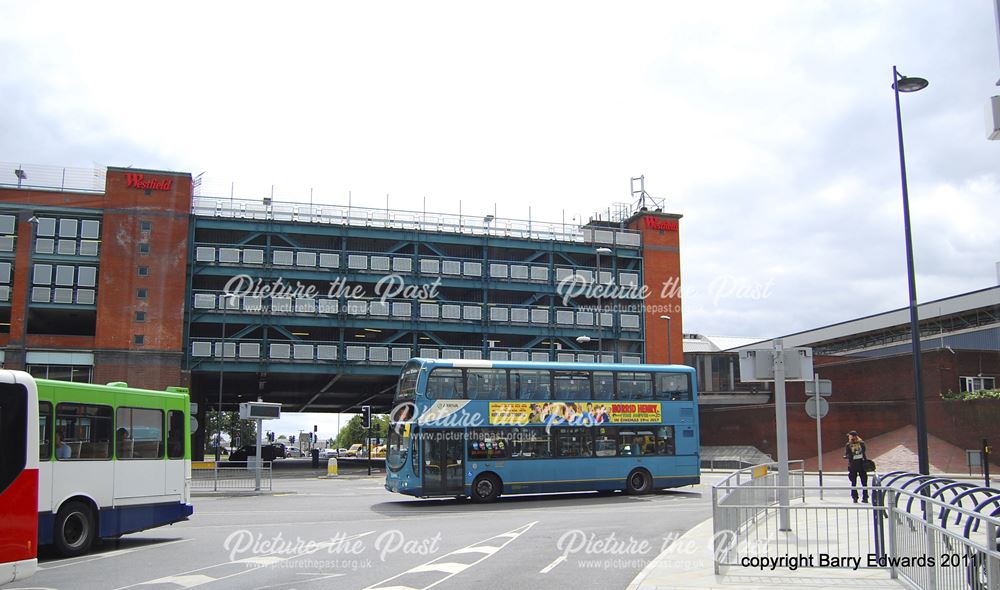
[407,387]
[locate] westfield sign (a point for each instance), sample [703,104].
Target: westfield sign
[661,224]
[140,182]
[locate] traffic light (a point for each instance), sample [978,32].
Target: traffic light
[366,416]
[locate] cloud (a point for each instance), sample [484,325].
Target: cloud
[770,127]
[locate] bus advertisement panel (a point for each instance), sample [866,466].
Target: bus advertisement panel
[484,428]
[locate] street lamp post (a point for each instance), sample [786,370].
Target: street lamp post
[902,83]
[669,355]
[600,301]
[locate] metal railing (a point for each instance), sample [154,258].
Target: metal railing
[93,180]
[725,461]
[230,476]
[268,210]
[953,525]
[57,178]
[929,532]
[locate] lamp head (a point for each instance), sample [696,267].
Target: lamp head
[910,84]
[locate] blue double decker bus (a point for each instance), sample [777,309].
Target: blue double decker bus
[479,429]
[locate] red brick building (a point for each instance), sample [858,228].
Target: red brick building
[94,279]
[869,363]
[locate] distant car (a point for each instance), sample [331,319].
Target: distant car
[325,454]
[267,452]
[341,452]
[294,452]
[356,450]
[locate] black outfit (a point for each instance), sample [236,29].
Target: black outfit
[856,456]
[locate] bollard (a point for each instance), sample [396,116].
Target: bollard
[331,467]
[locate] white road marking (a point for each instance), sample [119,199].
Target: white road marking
[263,560]
[490,549]
[552,565]
[185,581]
[446,567]
[454,568]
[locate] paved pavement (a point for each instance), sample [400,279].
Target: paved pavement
[688,564]
[818,528]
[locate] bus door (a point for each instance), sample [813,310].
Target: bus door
[443,461]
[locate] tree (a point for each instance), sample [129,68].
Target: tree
[232,427]
[353,433]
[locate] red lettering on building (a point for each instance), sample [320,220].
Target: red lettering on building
[661,224]
[140,182]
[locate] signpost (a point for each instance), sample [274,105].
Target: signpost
[778,365]
[817,407]
[259,411]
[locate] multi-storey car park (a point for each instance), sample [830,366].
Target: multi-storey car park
[122,274]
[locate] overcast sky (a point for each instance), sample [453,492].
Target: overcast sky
[769,125]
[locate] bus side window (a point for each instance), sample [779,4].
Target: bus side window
[446,383]
[665,441]
[604,385]
[635,386]
[44,431]
[673,386]
[175,435]
[83,431]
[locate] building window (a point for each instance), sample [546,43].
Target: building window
[145,225]
[143,271]
[140,316]
[144,249]
[141,293]
[978,383]
[139,339]
[77,374]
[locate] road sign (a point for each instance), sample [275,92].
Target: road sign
[758,364]
[825,387]
[824,407]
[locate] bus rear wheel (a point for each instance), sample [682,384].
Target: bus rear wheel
[75,529]
[486,488]
[639,482]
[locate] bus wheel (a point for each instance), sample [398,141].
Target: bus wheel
[639,482]
[486,488]
[74,530]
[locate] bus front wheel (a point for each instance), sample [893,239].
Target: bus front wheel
[486,488]
[639,482]
[75,529]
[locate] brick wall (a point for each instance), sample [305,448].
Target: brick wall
[661,267]
[872,396]
[159,197]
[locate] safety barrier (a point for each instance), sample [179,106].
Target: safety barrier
[230,476]
[930,532]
